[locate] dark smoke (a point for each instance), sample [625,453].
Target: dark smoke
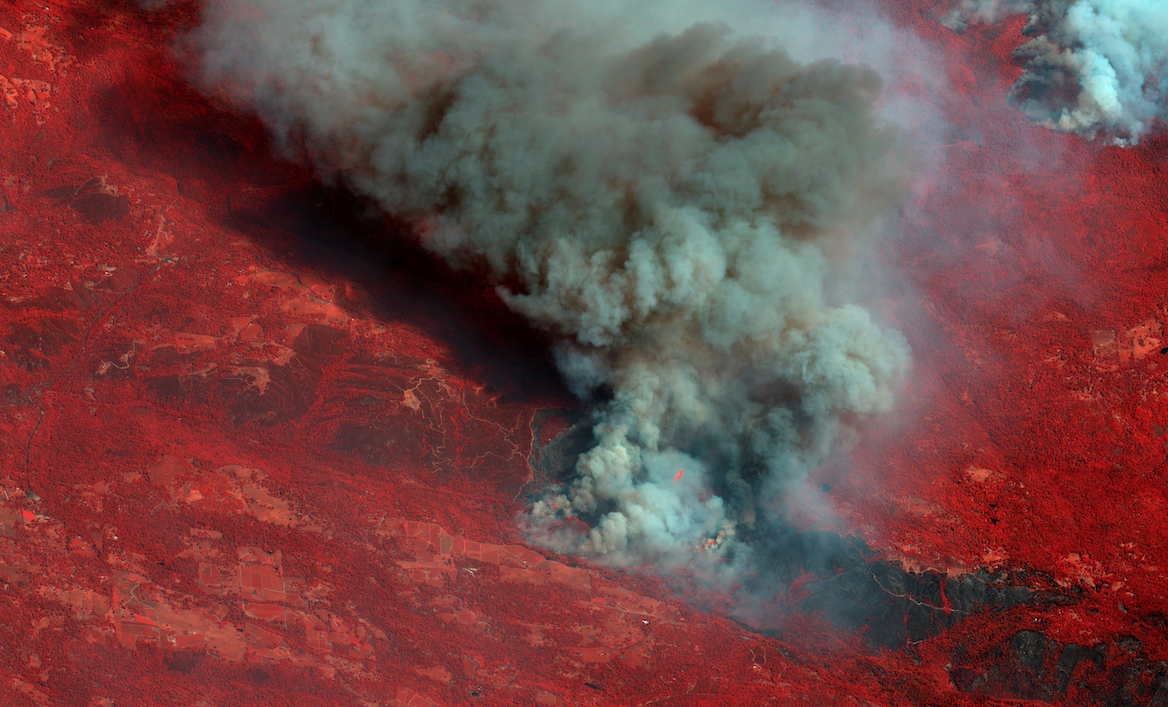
[1094,67]
[672,197]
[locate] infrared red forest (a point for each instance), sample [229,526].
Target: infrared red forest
[266,441]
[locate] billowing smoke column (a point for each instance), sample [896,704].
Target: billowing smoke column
[1095,67]
[669,197]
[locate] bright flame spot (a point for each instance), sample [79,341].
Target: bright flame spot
[679,472]
[710,542]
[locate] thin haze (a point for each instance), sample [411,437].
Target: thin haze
[671,189]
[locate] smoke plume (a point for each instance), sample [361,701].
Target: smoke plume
[670,195]
[1094,67]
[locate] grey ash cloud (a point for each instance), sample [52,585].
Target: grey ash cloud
[673,189]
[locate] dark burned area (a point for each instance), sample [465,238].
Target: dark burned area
[275,450]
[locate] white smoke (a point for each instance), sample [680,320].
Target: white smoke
[663,187]
[1095,67]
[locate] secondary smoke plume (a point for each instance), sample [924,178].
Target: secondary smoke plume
[1095,67]
[666,193]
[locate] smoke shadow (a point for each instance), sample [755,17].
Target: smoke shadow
[844,583]
[228,163]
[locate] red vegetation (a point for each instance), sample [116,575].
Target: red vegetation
[271,470]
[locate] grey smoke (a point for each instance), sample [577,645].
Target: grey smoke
[970,12]
[1094,67]
[673,197]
